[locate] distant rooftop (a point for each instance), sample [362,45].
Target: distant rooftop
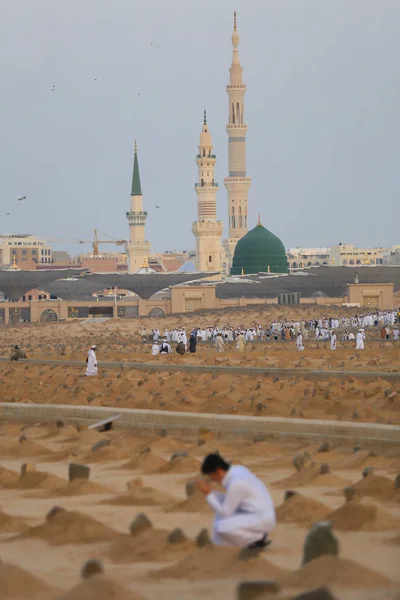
[16,235]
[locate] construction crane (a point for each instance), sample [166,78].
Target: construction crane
[95,242]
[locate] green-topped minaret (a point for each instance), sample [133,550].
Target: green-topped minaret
[136,187]
[137,249]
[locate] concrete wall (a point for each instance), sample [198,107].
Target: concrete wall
[371,296]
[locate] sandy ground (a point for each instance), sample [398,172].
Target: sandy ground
[42,558]
[135,474]
[347,399]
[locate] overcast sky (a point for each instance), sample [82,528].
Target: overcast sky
[322,108]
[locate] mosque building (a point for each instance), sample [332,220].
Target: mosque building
[259,251]
[243,252]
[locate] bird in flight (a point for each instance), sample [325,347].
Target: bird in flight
[21,198]
[157,206]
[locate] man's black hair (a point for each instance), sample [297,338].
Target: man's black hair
[212,462]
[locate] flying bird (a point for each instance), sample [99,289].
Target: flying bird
[21,198]
[157,206]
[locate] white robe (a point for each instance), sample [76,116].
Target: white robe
[360,341]
[299,342]
[155,350]
[91,368]
[245,513]
[333,342]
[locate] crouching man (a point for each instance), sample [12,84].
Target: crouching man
[245,514]
[17,353]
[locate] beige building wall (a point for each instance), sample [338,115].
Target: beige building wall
[188,299]
[371,296]
[349,255]
[26,250]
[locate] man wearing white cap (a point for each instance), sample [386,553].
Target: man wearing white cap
[91,362]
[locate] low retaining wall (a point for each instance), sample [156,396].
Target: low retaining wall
[158,365]
[170,421]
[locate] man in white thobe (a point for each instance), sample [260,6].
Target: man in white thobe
[155,349]
[299,342]
[91,360]
[333,340]
[245,514]
[360,340]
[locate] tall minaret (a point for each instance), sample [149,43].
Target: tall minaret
[237,184]
[137,248]
[207,230]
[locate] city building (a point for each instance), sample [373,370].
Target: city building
[137,249]
[25,249]
[392,258]
[237,184]
[103,263]
[207,229]
[349,255]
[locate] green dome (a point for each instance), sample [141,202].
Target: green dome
[259,250]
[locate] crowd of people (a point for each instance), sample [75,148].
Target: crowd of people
[290,330]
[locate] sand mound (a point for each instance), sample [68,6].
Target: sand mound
[166,445]
[353,461]
[225,448]
[78,487]
[354,516]
[146,462]
[39,480]
[107,453]
[85,437]
[25,449]
[195,503]
[148,545]
[100,588]
[69,527]
[22,585]
[8,479]
[181,464]
[311,476]
[264,449]
[11,524]
[68,454]
[394,541]
[217,562]
[140,496]
[376,486]
[301,510]
[333,570]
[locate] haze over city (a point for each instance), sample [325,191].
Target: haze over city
[80,81]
